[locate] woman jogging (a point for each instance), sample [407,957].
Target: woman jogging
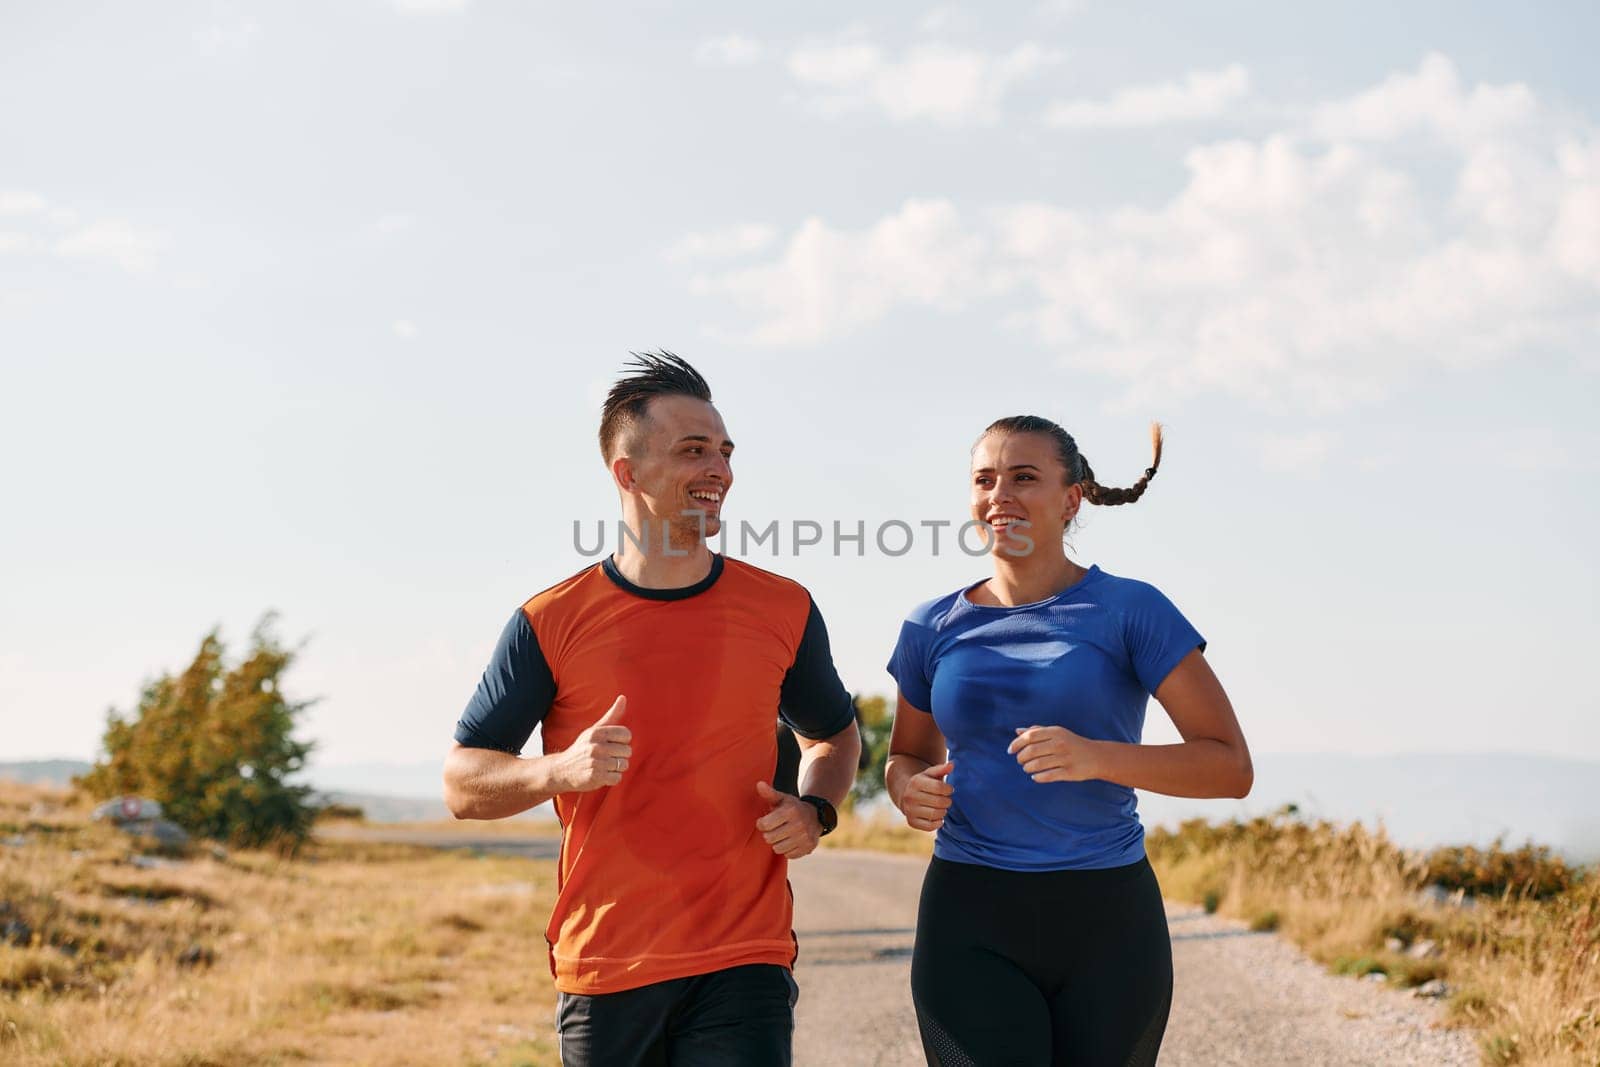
[1041,936]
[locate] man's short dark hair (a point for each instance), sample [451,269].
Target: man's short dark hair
[647,376]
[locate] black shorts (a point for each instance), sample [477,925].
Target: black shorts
[1048,967]
[740,1017]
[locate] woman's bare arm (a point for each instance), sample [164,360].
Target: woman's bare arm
[1212,761]
[915,773]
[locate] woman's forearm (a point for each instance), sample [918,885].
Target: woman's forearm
[900,768]
[1204,767]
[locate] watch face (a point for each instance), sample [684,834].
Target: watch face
[826,815]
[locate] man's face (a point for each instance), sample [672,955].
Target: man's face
[682,468]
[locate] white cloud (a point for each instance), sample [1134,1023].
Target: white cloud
[730,50]
[132,248]
[836,65]
[18,202]
[727,243]
[1575,235]
[829,281]
[219,40]
[430,7]
[1298,452]
[404,329]
[43,227]
[1297,270]
[934,82]
[1202,95]
[1431,99]
[1313,274]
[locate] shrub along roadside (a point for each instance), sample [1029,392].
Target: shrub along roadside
[215,745]
[1515,933]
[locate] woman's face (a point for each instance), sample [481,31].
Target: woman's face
[1019,487]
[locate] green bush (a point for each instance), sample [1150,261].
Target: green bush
[214,745]
[1530,871]
[876,720]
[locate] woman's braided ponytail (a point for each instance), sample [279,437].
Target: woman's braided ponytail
[1095,493]
[1078,469]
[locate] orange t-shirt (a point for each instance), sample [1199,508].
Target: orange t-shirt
[664,875]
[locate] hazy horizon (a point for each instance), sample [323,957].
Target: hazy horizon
[1421,799]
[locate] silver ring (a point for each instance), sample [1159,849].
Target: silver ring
[618,761]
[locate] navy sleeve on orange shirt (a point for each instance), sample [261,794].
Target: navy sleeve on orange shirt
[514,695]
[813,701]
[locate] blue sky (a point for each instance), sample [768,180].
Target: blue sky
[310,307]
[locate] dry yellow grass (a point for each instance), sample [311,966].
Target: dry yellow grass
[510,829]
[1525,971]
[346,954]
[879,833]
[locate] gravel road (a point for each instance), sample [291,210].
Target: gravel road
[1240,997]
[855,914]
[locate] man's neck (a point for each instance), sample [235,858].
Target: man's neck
[658,570]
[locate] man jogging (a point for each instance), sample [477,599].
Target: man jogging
[655,676]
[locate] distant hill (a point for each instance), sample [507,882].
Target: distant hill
[1422,799]
[423,778]
[396,792]
[44,771]
[393,809]
[385,792]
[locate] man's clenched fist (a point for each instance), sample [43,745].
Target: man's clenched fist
[600,754]
[791,827]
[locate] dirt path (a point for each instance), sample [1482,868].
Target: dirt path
[855,914]
[1240,998]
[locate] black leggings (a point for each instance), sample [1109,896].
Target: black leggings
[1049,967]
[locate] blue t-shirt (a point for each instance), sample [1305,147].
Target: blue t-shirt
[1087,659]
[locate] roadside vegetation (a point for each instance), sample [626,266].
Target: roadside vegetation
[215,746]
[335,953]
[1513,934]
[878,833]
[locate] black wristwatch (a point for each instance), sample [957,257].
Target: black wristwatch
[826,815]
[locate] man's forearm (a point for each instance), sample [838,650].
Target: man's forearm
[482,783]
[828,768]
